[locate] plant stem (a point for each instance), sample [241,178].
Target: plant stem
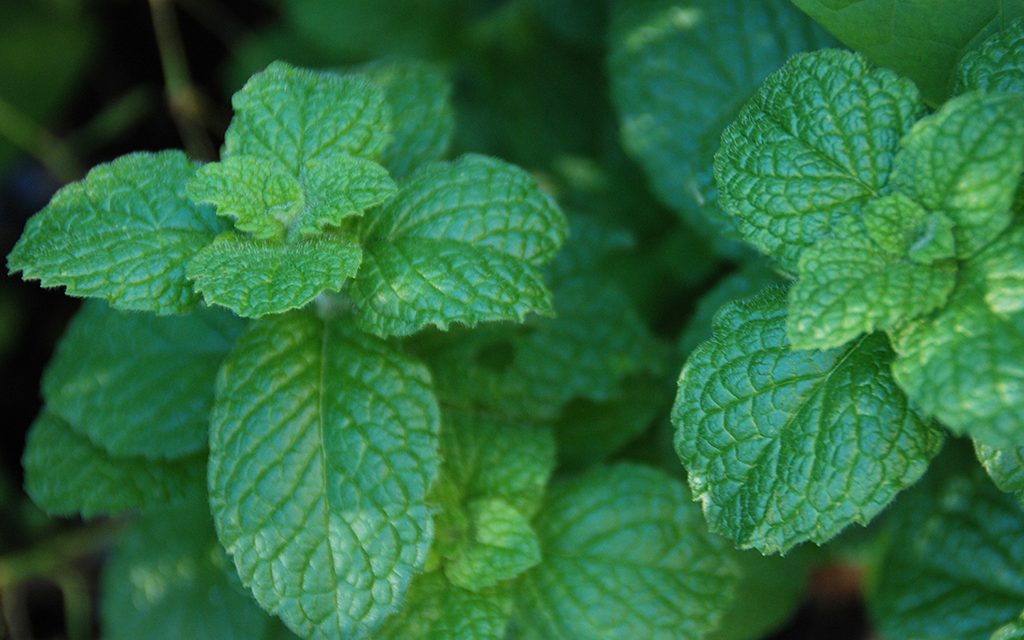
[35,140]
[49,556]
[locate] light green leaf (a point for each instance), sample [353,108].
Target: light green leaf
[268,202]
[499,546]
[962,363]
[66,474]
[920,39]
[461,243]
[294,116]
[438,610]
[625,556]
[954,563]
[900,226]
[137,384]
[785,446]
[322,449]
[1004,273]
[423,118]
[996,65]
[681,70]
[124,233]
[814,144]
[1004,466]
[1011,631]
[849,286]
[170,577]
[965,161]
[254,277]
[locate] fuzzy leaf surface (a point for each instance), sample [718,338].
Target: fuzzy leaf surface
[436,609]
[996,65]
[1004,466]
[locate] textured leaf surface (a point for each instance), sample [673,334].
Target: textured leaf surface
[438,610]
[740,284]
[461,243]
[1004,466]
[1011,631]
[954,565]
[920,39]
[996,65]
[423,118]
[900,226]
[169,576]
[681,70]
[66,474]
[254,278]
[849,286]
[962,363]
[785,446]
[137,384]
[965,161]
[294,116]
[812,146]
[501,545]
[1004,273]
[625,556]
[124,234]
[322,450]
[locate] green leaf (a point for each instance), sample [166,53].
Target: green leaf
[625,556]
[500,545]
[996,65]
[900,226]
[785,446]
[461,243]
[962,363]
[438,610]
[1011,631]
[295,116]
[423,117]
[124,233]
[255,278]
[953,568]
[814,144]
[681,70]
[66,474]
[322,449]
[1004,466]
[170,577]
[1004,273]
[137,384]
[919,39]
[965,161]
[268,202]
[849,285]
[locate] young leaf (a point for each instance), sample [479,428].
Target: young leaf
[137,384]
[255,278]
[785,446]
[461,243]
[438,610]
[423,119]
[1011,631]
[1004,466]
[170,577]
[294,116]
[995,66]
[962,363]
[850,284]
[920,40]
[814,144]
[322,449]
[124,234]
[625,556]
[501,545]
[965,161]
[680,72]
[66,474]
[954,563]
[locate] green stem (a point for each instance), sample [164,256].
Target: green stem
[51,555]
[33,139]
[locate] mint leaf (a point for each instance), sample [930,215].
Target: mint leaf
[961,363]
[322,449]
[137,384]
[954,559]
[850,284]
[255,278]
[1004,466]
[1004,273]
[625,556]
[500,545]
[743,283]
[965,161]
[438,610]
[170,576]
[1011,631]
[66,474]
[680,72]
[920,40]
[123,233]
[268,202]
[996,65]
[461,243]
[785,446]
[294,116]
[798,158]
[423,118]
